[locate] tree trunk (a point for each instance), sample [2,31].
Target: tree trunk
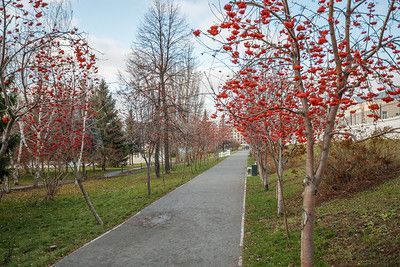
[165,115]
[15,175]
[281,199]
[89,202]
[5,138]
[77,166]
[308,213]
[263,166]
[36,176]
[187,158]
[279,196]
[265,179]
[6,186]
[84,171]
[103,163]
[307,229]
[148,178]
[178,158]
[162,164]
[157,159]
[15,172]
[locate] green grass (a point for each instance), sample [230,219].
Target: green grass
[359,230]
[29,226]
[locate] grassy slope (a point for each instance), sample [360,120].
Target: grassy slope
[29,225]
[362,229]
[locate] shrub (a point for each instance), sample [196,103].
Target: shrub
[355,166]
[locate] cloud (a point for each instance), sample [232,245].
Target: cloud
[201,14]
[197,12]
[111,57]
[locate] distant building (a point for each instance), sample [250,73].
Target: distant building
[361,125]
[136,158]
[386,111]
[238,137]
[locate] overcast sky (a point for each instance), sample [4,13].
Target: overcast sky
[112,25]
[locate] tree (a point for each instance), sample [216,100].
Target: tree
[145,133]
[272,130]
[112,150]
[132,141]
[23,36]
[5,160]
[224,133]
[49,70]
[331,51]
[53,132]
[160,45]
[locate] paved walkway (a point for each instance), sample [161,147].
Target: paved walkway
[110,174]
[198,224]
[121,172]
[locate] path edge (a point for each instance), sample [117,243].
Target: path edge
[241,244]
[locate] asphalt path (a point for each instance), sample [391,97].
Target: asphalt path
[197,224]
[121,172]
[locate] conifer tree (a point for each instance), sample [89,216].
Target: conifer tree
[111,151]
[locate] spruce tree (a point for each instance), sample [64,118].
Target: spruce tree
[111,151]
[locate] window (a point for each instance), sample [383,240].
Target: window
[384,115]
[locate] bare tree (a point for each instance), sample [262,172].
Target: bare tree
[160,44]
[146,133]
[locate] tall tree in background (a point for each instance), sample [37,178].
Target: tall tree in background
[112,151]
[161,40]
[131,139]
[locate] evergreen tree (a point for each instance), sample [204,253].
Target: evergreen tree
[111,149]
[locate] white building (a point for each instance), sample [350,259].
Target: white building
[359,124]
[238,137]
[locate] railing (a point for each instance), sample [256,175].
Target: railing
[224,154]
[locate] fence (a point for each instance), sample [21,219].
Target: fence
[224,154]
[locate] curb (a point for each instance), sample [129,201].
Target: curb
[241,244]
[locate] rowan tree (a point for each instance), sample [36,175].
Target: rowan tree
[266,128]
[52,132]
[330,51]
[5,164]
[49,69]
[23,36]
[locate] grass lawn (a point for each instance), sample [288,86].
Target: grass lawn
[34,232]
[359,230]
